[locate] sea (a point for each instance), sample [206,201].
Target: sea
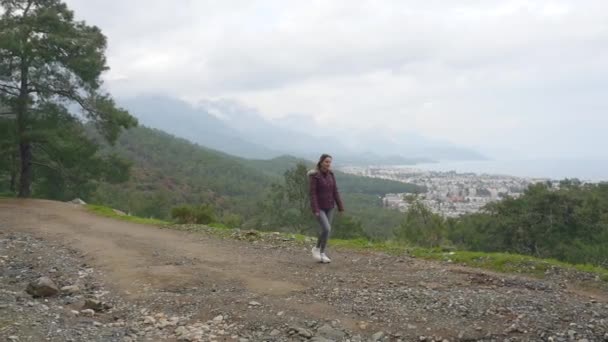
[584,170]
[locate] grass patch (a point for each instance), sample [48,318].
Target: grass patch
[109,212]
[218,225]
[505,262]
[498,262]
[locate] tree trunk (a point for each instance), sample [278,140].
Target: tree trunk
[25,180]
[25,146]
[13,168]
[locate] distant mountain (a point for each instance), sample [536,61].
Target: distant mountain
[253,127]
[230,127]
[194,124]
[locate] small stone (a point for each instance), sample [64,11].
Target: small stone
[411,326]
[71,289]
[180,331]
[304,332]
[280,313]
[378,336]
[88,312]
[74,312]
[78,201]
[254,303]
[13,338]
[94,304]
[512,329]
[275,332]
[163,323]
[97,324]
[218,319]
[149,320]
[321,339]
[42,287]
[330,333]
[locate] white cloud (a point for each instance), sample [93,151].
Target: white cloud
[485,73]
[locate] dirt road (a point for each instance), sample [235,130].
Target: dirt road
[222,289]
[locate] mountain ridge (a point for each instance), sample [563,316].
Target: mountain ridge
[230,127]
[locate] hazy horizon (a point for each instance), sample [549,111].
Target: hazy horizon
[510,79]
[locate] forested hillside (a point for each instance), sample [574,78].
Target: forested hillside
[168,172]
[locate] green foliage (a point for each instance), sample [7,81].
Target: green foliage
[347,227]
[168,172]
[48,62]
[422,227]
[569,224]
[378,222]
[276,167]
[287,205]
[374,186]
[186,214]
[9,162]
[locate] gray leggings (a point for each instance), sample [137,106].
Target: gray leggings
[325,218]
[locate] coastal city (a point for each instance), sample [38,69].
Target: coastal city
[449,194]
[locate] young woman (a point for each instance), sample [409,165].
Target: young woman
[324,196]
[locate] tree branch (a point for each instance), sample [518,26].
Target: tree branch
[48,166]
[5,88]
[59,168]
[69,94]
[27,8]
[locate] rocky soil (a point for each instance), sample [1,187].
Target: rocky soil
[67,275]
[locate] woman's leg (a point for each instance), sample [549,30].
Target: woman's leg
[325,219]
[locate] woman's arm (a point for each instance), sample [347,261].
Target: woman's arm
[337,196]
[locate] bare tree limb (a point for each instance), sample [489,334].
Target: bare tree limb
[7,90]
[36,88]
[27,8]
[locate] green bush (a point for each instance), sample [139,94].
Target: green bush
[346,227]
[186,214]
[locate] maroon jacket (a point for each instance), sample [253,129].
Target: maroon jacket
[323,191]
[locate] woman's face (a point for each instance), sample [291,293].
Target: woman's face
[326,164]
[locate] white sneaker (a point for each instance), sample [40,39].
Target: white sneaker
[325,259]
[316,254]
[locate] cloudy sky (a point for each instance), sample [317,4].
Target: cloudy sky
[510,78]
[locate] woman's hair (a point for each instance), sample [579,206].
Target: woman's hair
[323,157]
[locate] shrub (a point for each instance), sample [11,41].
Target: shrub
[186,214]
